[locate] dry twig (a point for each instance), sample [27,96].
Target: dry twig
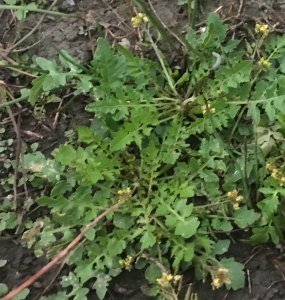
[61,254]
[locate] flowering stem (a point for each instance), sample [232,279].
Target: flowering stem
[169,79]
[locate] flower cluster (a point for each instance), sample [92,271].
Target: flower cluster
[275,173]
[238,198]
[136,21]
[264,63]
[262,29]
[220,278]
[127,263]
[125,194]
[204,109]
[166,278]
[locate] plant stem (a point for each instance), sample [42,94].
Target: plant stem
[169,79]
[27,8]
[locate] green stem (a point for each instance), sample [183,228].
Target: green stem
[27,8]
[169,79]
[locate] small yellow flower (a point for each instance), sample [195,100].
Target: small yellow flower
[264,63]
[212,110]
[177,277]
[125,194]
[282,179]
[239,198]
[236,206]
[136,21]
[223,275]
[233,194]
[165,280]
[216,283]
[140,15]
[262,29]
[145,19]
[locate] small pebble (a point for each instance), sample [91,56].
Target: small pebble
[125,43]
[37,285]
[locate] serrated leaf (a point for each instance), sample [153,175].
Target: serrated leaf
[244,217]
[60,188]
[101,284]
[187,227]
[221,247]
[116,246]
[189,252]
[236,273]
[218,26]
[65,155]
[111,67]
[269,205]
[147,240]
[124,221]
[37,88]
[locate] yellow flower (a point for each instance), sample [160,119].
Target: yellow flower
[136,21]
[236,206]
[233,194]
[216,283]
[264,63]
[262,29]
[125,194]
[140,15]
[177,277]
[145,19]
[239,198]
[223,275]
[282,179]
[165,279]
[127,263]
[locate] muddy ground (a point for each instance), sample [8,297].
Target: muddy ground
[78,37]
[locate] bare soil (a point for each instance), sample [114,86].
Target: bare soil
[78,37]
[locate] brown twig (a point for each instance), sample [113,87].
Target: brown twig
[18,153]
[61,254]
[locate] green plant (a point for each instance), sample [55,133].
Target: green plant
[187,154]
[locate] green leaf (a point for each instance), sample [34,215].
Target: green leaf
[101,284]
[218,26]
[269,205]
[2,262]
[221,247]
[22,295]
[231,45]
[273,234]
[111,67]
[236,273]
[3,289]
[189,252]
[183,78]
[187,192]
[147,240]
[124,221]
[60,188]
[65,155]
[85,134]
[152,273]
[244,217]
[37,88]
[187,227]
[90,235]
[116,246]
[170,157]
